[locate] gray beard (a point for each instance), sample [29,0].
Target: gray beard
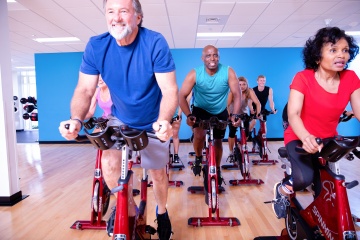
[118,36]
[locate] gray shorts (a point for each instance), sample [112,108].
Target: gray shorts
[154,156]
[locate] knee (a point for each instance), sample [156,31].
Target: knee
[158,175]
[110,161]
[301,184]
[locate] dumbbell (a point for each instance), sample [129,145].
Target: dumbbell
[29,108]
[34,116]
[28,100]
[26,116]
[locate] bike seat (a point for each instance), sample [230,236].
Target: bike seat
[282,152]
[335,149]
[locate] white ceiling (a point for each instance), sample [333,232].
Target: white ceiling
[266,23]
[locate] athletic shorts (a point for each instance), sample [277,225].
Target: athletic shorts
[154,156]
[201,114]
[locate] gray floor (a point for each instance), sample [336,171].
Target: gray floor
[27,136]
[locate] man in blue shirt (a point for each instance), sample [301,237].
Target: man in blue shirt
[210,84]
[139,70]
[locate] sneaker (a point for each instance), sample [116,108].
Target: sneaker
[164,225]
[280,202]
[176,159]
[110,222]
[220,178]
[197,166]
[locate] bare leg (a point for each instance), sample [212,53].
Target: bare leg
[252,125]
[231,142]
[110,164]
[198,141]
[175,138]
[160,187]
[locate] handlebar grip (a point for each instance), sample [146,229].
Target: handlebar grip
[302,151]
[79,138]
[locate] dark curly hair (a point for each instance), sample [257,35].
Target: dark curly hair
[312,49]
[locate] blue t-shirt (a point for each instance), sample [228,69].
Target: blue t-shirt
[129,72]
[211,92]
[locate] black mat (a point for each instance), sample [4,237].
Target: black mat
[27,136]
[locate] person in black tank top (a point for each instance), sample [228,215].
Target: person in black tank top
[263,93]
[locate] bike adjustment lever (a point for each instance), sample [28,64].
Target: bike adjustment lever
[350,185]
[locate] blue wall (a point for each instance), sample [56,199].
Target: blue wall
[57,74]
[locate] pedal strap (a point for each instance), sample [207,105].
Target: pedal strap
[286,190]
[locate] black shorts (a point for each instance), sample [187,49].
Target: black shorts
[201,114]
[232,130]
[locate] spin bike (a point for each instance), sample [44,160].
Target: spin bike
[211,190]
[130,219]
[231,158]
[206,151]
[101,192]
[261,141]
[329,215]
[241,157]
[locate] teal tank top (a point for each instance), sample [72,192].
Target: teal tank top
[211,92]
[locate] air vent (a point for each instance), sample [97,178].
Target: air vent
[212,20]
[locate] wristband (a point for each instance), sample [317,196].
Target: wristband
[76,119]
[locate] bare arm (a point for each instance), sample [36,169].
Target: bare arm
[229,101]
[271,100]
[185,91]
[255,100]
[92,107]
[355,103]
[80,104]
[168,104]
[295,105]
[235,91]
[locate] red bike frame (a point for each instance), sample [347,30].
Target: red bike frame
[130,220]
[213,191]
[262,136]
[330,211]
[241,156]
[96,221]
[200,189]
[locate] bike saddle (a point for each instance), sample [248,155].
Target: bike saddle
[102,140]
[337,148]
[136,140]
[283,152]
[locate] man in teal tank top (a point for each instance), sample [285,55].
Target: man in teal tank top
[210,83]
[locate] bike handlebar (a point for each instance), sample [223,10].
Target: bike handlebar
[335,148]
[120,135]
[212,122]
[345,118]
[266,112]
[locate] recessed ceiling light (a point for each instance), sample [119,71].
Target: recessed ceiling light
[60,39]
[220,34]
[353,33]
[26,67]
[10,1]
